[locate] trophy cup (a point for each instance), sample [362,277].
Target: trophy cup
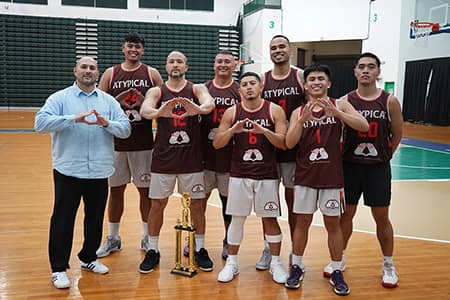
[186,226]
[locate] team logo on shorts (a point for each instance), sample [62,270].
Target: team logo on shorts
[332,203]
[252,155]
[366,149]
[198,188]
[179,137]
[271,206]
[145,177]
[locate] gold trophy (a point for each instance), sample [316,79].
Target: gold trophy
[184,225]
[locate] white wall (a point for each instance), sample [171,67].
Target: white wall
[258,30]
[384,38]
[225,13]
[325,20]
[437,46]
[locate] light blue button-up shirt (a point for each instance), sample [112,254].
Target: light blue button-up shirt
[81,150]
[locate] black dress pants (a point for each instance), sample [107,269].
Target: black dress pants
[68,193]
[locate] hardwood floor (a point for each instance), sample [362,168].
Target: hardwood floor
[26,199]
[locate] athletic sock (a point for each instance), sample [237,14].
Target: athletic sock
[153,242]
[114,230]
[297,260]
[145,228]
[199,242]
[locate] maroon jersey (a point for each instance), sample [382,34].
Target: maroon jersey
[253,155]
[141,137]
[178,147]
[287,93]
[319,158]
[375,145]
[224,97]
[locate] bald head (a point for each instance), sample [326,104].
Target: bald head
[177,54]
[86,73]
[84,59]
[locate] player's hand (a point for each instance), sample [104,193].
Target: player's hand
[124,98]
[256,128]
[240,126]
[329,108]
[306,114]
[137,98]
[166,110]
[190,107]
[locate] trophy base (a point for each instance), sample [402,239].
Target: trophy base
[184,272]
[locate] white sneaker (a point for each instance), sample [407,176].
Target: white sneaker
[110,245]
[228,272]
[60,280]
[95,266]
[264,261]
[390,277]
[279,274]
[328,270]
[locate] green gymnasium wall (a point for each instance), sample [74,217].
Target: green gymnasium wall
[37,54]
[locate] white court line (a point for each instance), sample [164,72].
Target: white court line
[426,149]
[420,167]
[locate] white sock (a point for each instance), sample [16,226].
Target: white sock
[114,230]
[232,259]
[388,260]
[266,244]
[199,242]
[275,260]
[297,260]
[336,265]
[153,242]
[145,228]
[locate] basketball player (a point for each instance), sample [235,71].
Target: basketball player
[283,86]
[225,92]
[367,158]
[317,128]
[256,126]
[128,82]
[176,105]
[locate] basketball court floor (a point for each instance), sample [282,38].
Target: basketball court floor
[419,212]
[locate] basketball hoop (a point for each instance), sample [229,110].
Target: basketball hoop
[420,31]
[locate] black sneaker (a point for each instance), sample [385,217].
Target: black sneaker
[203,261]
[295,277]
[338,283]
[150,261]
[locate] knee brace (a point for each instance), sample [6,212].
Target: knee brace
[236,230]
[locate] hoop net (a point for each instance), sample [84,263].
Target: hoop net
[422,31]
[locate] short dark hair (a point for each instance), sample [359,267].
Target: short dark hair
[371,55]
[248,74]
[317,68]
[280,36]
[134,37]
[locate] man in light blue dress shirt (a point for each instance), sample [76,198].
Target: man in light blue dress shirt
[82,121]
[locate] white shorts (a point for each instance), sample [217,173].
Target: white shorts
[216,180]
[131,165]
[286,172]
[307,200]
[261,194]
[162,185]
